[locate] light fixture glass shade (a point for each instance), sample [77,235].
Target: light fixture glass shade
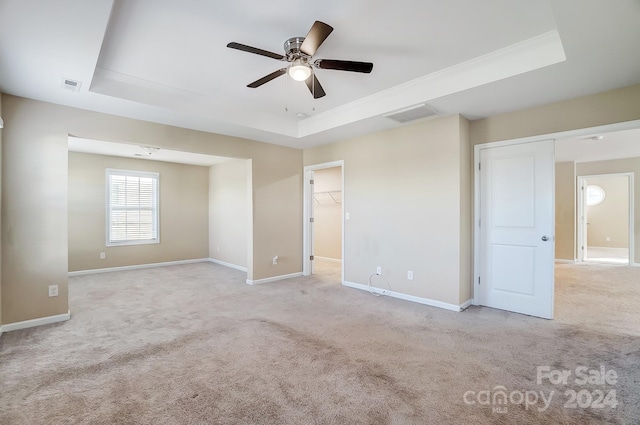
[299,71]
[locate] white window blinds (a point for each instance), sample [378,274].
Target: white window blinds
[132,207]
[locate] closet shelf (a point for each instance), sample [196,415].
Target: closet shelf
[328,197]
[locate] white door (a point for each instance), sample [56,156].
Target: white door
[517,228]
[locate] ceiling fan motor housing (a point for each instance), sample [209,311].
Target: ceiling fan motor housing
[292,49]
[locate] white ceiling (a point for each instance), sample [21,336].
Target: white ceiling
[166,61]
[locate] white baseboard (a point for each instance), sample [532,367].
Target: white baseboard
[563,261]
[224,263]
[35,322]
[333,260]
[400,295]
[465,305]
[273,279]
[137,266]
[636,264]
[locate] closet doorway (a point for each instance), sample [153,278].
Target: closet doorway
[324,220]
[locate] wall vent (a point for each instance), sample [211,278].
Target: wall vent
[69,84]
[411,113]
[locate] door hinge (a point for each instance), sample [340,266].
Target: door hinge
[582,248]
[311,257]
[311,220]
[311,181]
[478,280]
[479,166]
[479,222]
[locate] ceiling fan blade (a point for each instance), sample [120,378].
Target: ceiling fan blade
[267,78]
[314,87]
[317,35]
[255,50]
[364,67]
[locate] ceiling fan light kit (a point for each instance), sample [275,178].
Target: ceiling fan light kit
[299,71]
[299,52]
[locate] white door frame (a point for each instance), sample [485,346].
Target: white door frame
[307,245]
[628,125]
[581,196]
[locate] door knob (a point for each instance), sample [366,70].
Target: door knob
[545,238]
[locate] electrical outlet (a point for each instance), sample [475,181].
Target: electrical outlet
[275,260]
[410,275]
[608,238]
[218,248]
[379,270]
[103,255]
[53,290]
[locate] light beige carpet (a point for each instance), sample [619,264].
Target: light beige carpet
[193,344]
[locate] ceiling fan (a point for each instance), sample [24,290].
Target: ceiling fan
[299,53]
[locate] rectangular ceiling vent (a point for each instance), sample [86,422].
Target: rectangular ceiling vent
[412,113]
[69,84]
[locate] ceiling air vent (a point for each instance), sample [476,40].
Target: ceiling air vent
[72,85]
[412,113]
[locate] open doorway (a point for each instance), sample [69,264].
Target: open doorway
[580,287]
[596,206]
[324,212]
[605,233]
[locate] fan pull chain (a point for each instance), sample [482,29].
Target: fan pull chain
[286,94]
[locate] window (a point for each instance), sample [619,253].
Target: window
[132,207]
[595,195]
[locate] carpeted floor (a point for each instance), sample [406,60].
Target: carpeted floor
[193,344]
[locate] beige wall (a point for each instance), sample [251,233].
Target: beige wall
[610,107]
[229,211]
[425,158]
[183,213]
[327,213]
[609,219]
[408,199]
[627,165]
[1,149]
[35,167]
[565,210]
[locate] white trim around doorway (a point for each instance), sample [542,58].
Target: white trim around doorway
[581,196]
[307,204]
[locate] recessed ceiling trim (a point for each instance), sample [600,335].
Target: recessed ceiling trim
[128,87]
[528,55]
